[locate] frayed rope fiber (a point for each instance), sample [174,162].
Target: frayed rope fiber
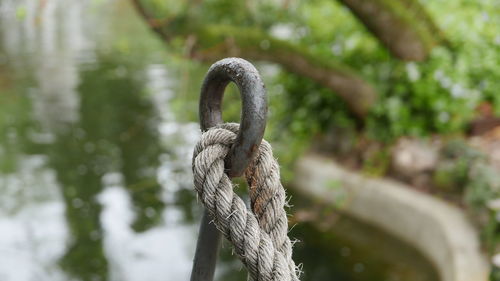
[259,235]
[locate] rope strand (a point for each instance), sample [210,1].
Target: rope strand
[259,235]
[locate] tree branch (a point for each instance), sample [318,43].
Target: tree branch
[403,26]
[254,44]
[212,42]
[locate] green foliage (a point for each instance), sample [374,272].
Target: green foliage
[377,164]
[467,171]
[453,173]
[495,274]
[309,108]
[438,95]
[299,109]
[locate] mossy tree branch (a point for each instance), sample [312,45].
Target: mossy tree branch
[403,26]
[211,42]
[254,44]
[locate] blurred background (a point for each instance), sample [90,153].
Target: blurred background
[382,113]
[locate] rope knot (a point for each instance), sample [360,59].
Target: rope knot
[259,235]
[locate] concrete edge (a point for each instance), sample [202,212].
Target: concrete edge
[434,227]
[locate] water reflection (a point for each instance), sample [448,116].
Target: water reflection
[33,38]
[115,133]
[116,144]
[93,124]
[353,251]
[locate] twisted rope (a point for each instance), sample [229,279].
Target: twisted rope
[259,236]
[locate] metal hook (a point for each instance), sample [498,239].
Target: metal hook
[252,126]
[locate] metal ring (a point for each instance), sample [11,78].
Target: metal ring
[253,114]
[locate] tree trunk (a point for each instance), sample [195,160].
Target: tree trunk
[403,26]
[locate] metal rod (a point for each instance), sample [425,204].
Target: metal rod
[207,250]
[252,126]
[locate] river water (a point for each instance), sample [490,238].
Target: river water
[97,125]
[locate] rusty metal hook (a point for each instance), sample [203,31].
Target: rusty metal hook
[252,126]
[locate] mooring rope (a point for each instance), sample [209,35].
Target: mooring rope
[259,235]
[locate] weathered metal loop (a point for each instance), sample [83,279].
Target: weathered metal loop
[254,108]
[252,126]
